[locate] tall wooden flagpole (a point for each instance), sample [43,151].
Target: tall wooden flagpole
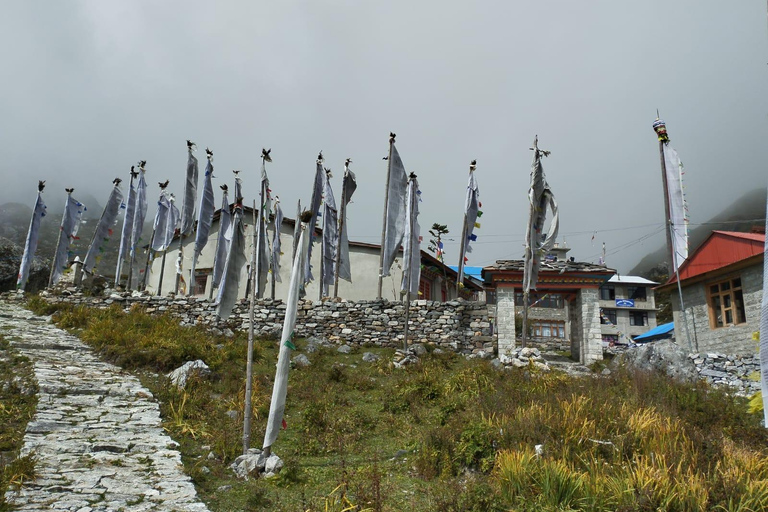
[247,413]
[342,214]
[409,257]
[142,164]
[190,148]
[661,130]
[121,257]
[384,222]
[58,243]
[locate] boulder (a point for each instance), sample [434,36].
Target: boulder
[370,357]
[301,360]
[252,461]
[662,356]
[181,375]
[10,260]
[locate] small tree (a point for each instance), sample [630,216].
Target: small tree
[436,247]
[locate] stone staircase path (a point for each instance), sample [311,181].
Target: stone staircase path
[96,435]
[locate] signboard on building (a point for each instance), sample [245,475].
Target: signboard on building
[625,303]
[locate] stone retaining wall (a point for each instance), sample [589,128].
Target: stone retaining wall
[738,372]
[458,325]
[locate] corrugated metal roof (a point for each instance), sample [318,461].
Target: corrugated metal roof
[630,280]
[719,250]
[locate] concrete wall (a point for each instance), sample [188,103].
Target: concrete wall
[734,339]
[622,314]
[364,262]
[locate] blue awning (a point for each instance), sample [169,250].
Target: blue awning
[657,332]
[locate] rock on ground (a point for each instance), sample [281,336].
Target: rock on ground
[181,375]
[663,356]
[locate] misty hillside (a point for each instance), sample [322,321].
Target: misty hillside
[738,216]
[14,223]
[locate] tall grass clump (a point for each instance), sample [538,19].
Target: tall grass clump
[18,400]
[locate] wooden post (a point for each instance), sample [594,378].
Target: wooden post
[131,250]
[670,238]
[384,223]
[258,226]
[120,257]
[162,272]
[143,285]
[342,214]
[525,320]
[58,243]
[247,413]
[409,257]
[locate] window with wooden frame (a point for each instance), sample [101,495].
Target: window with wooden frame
[607,292]
[548,329]
[726,303]
[425,289]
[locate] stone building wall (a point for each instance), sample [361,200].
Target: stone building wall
[586,337]
[505,318]
[458,325]
[734,339]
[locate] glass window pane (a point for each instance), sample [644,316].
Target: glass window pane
[728,316]
[737,282]
[714,289]
[727,301]
[725,286]
[717,311]
[738,299]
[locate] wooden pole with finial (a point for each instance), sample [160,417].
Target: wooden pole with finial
[165,250]
[190,148]
[142,168]
[661,131]
[58,243]
[247,412]
[342,219]
[463,243]
[409,256]
[121,257]
[384,222]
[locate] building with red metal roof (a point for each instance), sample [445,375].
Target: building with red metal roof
[722,286]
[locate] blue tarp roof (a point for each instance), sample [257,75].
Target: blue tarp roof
[475,272]
[656,332]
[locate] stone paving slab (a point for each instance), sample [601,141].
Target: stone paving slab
[96,434]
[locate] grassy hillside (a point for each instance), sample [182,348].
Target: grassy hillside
[446,434]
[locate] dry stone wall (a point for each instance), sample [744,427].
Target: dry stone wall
[458,325]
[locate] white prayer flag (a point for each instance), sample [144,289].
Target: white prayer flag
[411,240]
[70,222]
[103,229]
[536,244]
[394,225]
[330,235]
[30,246]
[280,388]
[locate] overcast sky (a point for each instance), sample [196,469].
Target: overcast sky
[91,87]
